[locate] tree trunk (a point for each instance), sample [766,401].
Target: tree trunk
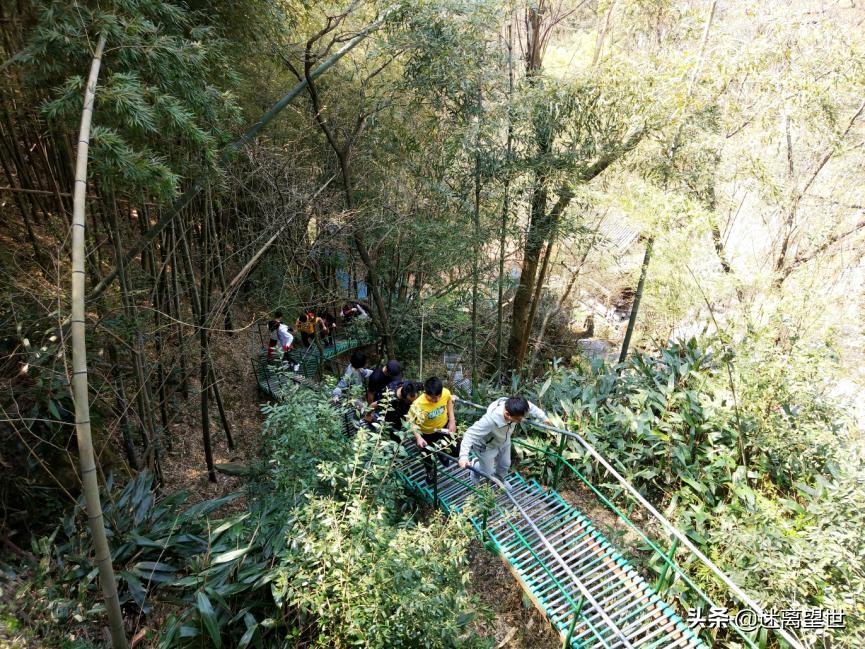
[343,155]
[536,297]
[531,256]
[142,396]
[632,320]
[86,455]
[214,386]
[121,409]
[671,153]
[175,298]
[602,34]
[503,231]
[539,226]
[564,297]
[476,222]
[203,373]
[26,217]
[160,306]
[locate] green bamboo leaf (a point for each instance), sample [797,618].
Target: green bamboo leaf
[246,638]
[696,486]
[208,618]
[225,557]
[231,522]
[154,566]
[136,588]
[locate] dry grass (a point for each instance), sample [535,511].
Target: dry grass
[184,466]
[515,622]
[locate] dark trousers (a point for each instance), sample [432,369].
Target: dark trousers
[309,339]
[427,456]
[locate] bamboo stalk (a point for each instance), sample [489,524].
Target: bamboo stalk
[197,302]
[214,388]
[160,306]
[632,319]
[79,367]
[121,408]
[175,300]
[505,210]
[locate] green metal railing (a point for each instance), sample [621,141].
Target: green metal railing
[678,537]
[269,376]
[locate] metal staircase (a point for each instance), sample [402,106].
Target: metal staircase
[574,576]
[273,375]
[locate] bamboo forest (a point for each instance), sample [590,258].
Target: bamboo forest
[484,324]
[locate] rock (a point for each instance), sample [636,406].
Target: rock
[232,468]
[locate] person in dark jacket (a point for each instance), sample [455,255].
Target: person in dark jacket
[329,326]
[397,400]
[356,374]
[379,380]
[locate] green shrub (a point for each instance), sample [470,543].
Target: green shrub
[152,543]
[327,556]
[366,582]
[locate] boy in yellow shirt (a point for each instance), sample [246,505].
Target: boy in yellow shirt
[430,412]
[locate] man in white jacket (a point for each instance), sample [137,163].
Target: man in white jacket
[490,436]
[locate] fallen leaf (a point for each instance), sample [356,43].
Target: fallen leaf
[512,631]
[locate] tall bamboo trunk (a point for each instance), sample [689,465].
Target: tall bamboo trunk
[476,221]
[632,320]
[503,232]
[210,244]
[175,300]
[160,306]
[86,455]
[671,154]
[141,394]
[536,297]
[121,409]
[539,225]
[204,373]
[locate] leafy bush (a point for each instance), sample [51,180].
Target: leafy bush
[152,542]
[356,567]
[797,431]
[808,556]
[365,582]
[326,556]
[227,593]
[300,432]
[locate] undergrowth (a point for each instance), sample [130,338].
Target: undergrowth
[328,555]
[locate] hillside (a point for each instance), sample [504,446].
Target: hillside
[613,247]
